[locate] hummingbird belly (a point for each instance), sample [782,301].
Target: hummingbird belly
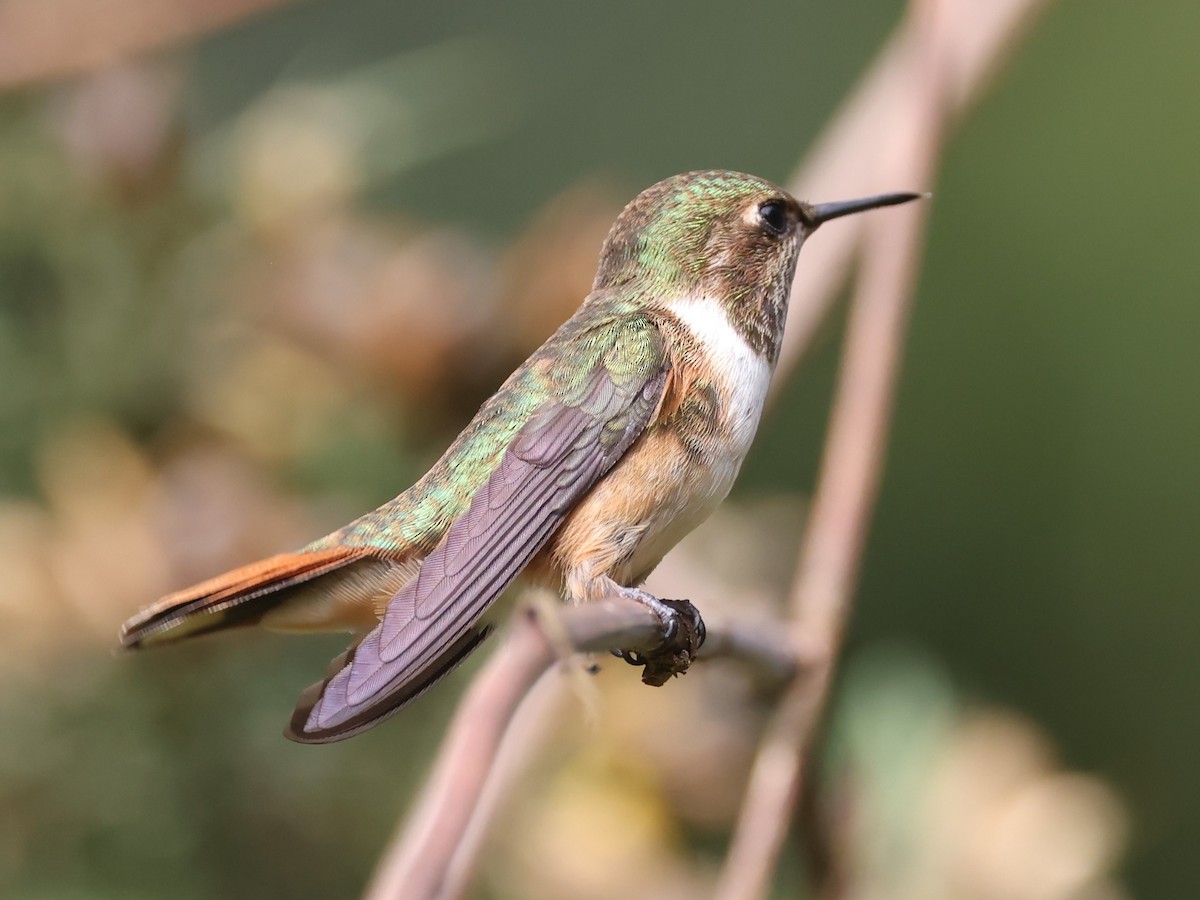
[679,471]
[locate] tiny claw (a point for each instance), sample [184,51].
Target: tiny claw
[695,623]
[670,622]
[630,656]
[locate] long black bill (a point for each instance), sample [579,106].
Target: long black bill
[823,212]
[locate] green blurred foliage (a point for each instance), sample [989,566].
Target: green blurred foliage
[177,399]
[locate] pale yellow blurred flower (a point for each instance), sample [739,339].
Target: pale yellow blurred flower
[942,803]
[599,829]
[1008,824]
[297,158]
[272,396]
[31,609]
[103,552]
[115,531]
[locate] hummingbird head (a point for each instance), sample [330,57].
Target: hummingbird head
[722,235]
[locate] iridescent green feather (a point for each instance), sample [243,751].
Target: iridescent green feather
[616,335]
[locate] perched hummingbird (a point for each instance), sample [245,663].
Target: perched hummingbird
[617,437]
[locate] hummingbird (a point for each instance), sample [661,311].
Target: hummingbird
[617,437]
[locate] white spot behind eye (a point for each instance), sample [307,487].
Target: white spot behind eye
[750,215]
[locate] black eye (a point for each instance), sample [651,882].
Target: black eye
[774,216]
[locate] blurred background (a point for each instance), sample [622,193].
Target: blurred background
[260,260]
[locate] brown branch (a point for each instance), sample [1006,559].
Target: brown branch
[45,39]
[429,858]
[923,63]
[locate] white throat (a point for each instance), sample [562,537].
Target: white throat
[739,372]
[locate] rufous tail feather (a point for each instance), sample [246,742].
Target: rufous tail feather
[243,596]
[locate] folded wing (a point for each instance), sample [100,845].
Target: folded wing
[433,621]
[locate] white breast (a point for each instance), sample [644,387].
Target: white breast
[679,497]
[740,374]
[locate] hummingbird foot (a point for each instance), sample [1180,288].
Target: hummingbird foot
[683,635]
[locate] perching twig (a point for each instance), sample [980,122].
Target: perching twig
[424,860]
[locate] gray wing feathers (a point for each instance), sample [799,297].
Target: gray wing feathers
[556,457]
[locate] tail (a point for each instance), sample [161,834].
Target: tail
[339,589]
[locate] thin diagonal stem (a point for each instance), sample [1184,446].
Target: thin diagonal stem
[850,473]
[433,856]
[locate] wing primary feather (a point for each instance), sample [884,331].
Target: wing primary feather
[298,731]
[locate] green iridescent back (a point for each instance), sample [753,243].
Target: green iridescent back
[606,332]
